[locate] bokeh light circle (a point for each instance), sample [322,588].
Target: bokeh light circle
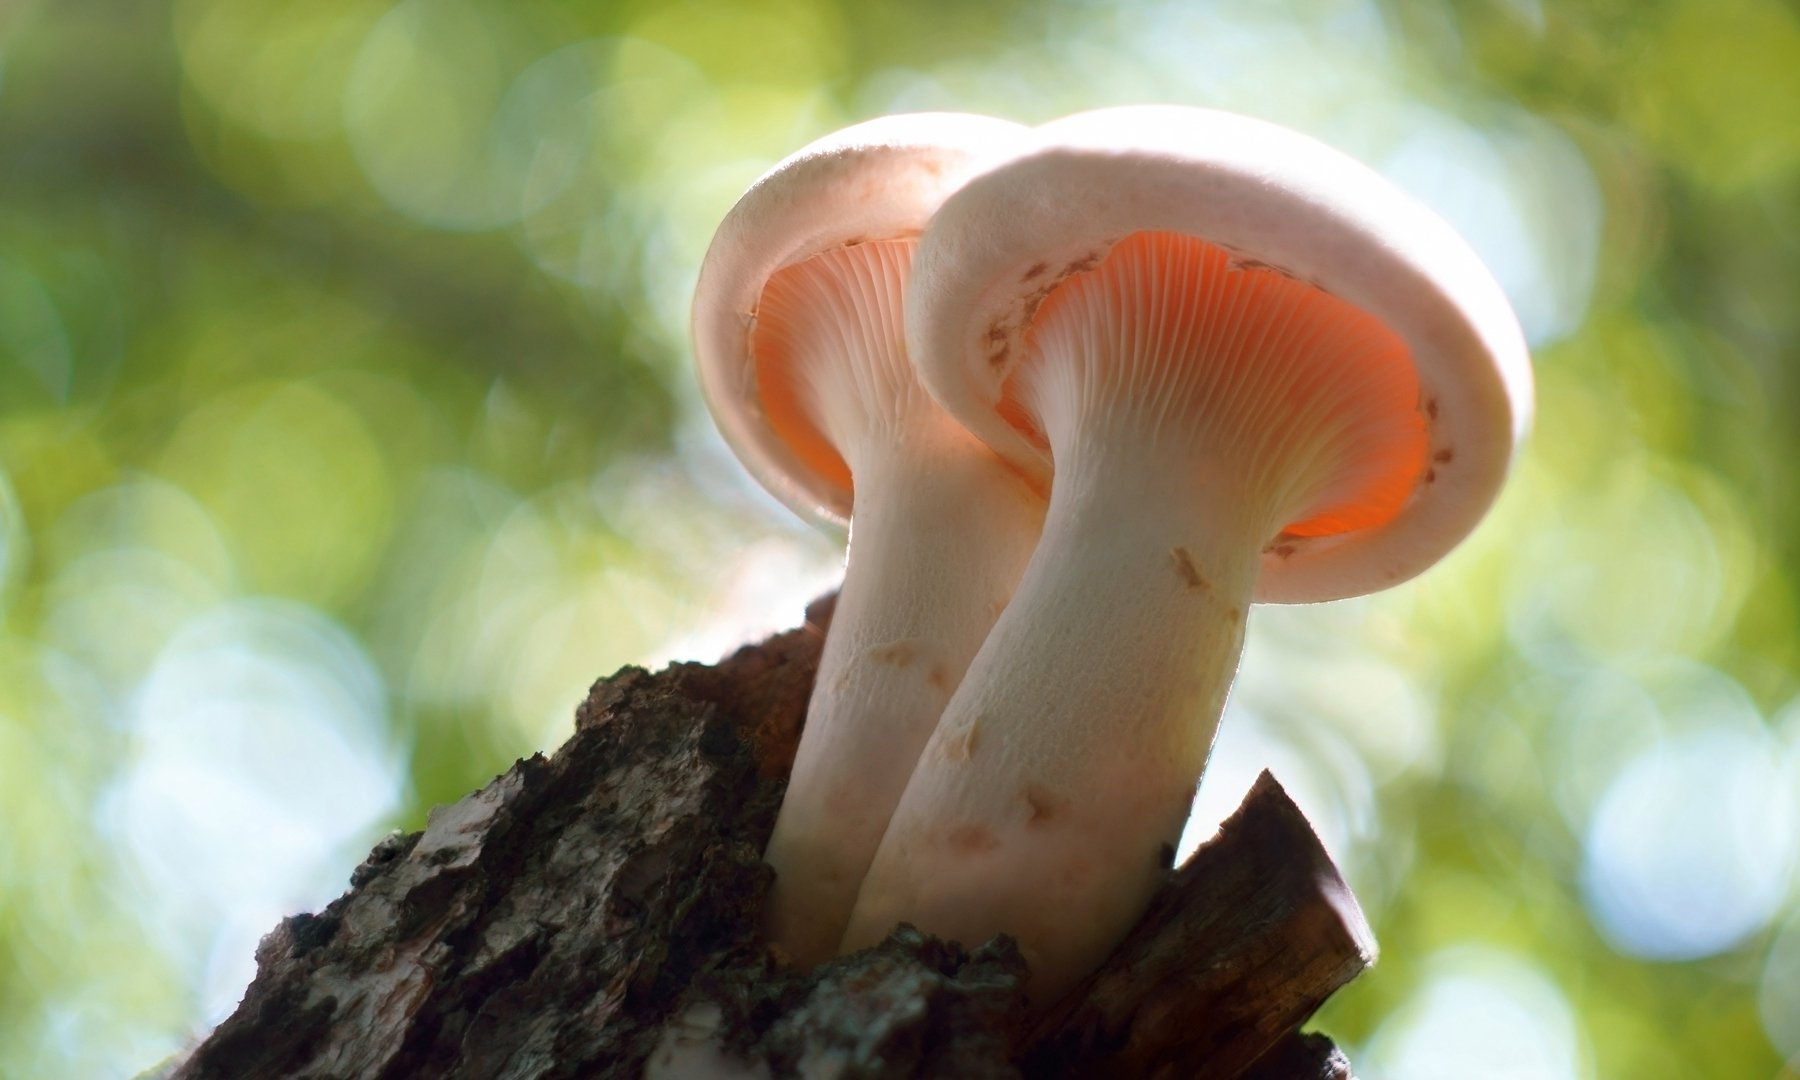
[1690,850]
[1481,1013]
[259,760]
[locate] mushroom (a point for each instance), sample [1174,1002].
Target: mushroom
[1261,373]
[799,335]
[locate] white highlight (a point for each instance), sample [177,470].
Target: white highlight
[1483,1014]
[259,775]
[1691,849]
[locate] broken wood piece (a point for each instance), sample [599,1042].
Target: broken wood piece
[1244,943]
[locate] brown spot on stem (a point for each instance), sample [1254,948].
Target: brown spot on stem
[1184,565]
[1444,456]
[1234,614]
[1431,408]
[972,839]
[1431,476]
[1036,270]
[939,677]
[1283,550]
[898,653]
[1044,803]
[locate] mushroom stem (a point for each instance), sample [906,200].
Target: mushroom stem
[1050,797]
[939,536]
[940,528]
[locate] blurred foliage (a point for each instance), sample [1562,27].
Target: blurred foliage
[346,433]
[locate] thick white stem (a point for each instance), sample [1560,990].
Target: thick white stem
[939,535]
[1049,799]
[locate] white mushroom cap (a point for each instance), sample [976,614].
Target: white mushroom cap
[879,180]
[1270,197]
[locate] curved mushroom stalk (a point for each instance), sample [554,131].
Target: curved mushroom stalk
[941,529]
[799,330]
[920,593]
[1256,370]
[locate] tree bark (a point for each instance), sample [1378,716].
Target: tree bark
[595,913]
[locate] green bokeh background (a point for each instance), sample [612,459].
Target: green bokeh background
[346,433]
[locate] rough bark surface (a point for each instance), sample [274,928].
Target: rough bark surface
[594,914]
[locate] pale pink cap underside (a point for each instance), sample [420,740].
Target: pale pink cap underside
[1270,195]
[878,180]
